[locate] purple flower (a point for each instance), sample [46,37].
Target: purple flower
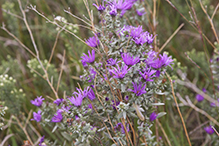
[149,37]
[140,13]
[82,93]
[153,116]
[58,117]
[148,74]
[107,99]
[37,116]
[129,60]
[66,108]
[58,101]
[111,62]
[120,127]
[123,5]
[100,8]
[41,141]
[156,62]
[126,98]
[214,104]
[158,74]
[113,11]
[91,95]
[77,118]
[138,88]
[90,106]
[37,101]
[88,59]
[209,130]
[140,41]
[119,72]
[115,104]
[136,32]
[93,41]
[199,98]
[126,29]
[76,100]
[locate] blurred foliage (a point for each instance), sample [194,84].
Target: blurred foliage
[10,95]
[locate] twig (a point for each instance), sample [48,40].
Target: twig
[215,10]
[35,48]
[12,35]
[60,75]
[177,106]
[215,130]
[53,48]
[154,25]
[164,133]
[5,139]
[175,32]
[12,14]
[68,12]
[28,118]
[53,22]
[192,86]
[210,20]
[201,111]
[24,130]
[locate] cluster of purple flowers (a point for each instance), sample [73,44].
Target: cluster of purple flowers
[88,59]
[139,89]
[158,62]
[138,35]
[37,101]
[116,6]
[119,72]
[57,117]
[80,95]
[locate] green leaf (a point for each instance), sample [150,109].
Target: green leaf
[66,136]
[54,129]
[124,115]
[157,104]
[161,114]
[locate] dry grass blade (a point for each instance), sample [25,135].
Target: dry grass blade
[210,20]
[12,35]
[5,139]
[53,48]
[196,64]
[164,133]
[168,40]
[60,75]
[215,130]
[177,106]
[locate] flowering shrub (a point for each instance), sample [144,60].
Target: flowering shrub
[126,82]
[122,82]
